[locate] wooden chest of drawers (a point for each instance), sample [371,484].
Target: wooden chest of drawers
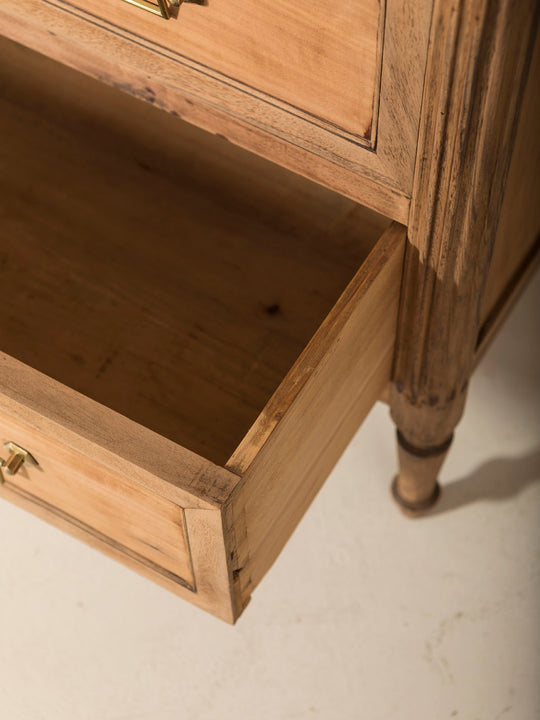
[191,334]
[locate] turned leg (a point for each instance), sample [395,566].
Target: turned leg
[477,64]
[424,436]
[416,487]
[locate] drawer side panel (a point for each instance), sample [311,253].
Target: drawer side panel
[325,397]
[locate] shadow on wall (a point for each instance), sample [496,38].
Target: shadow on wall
[498,479]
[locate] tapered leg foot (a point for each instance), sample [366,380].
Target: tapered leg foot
[416,488]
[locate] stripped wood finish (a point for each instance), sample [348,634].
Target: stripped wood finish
[204,331]
[255,256]
[318,57]
[477,67]
[163,288]
[508,297]
[117,485]
[379,177]
[305,428]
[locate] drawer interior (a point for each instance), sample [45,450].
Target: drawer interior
[153,267]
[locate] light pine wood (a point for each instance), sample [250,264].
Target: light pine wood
[205,527]
[414,489]
[379,177]
[112,440]
[176,279]
[193,306]
[314,414]
[119,487]
[138,521]
[302,370]
[188,330]
[477,66]
[319,57]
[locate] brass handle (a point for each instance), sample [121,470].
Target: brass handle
[17,456]
[164,8]
[160,7]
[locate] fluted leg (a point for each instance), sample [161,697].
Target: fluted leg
[477,64]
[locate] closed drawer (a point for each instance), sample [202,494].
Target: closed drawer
[319,57]
[331,90]
[190,334]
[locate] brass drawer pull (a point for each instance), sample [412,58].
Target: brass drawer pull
[159,7]
[165,8]
[17,456]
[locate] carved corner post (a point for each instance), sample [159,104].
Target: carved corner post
[478,58]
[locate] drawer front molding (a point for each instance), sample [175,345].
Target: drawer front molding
[172,489]
[364,137]
[377,171]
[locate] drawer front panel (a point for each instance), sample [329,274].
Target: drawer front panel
[317,56]
[117,486]
[149,528]
[331,91]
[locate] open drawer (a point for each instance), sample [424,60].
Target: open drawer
[190,334]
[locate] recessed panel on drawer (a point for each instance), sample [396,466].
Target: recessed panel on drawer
[139,523]
[320,58]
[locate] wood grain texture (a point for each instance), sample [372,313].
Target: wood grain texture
[318,408]
[477,64]
[206,552]
[119,487]
[207,271]
[519,224]
[112,440]
[380,178]
[316,56]
[161,271]
[136,520]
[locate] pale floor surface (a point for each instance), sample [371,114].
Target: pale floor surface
[365,616]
